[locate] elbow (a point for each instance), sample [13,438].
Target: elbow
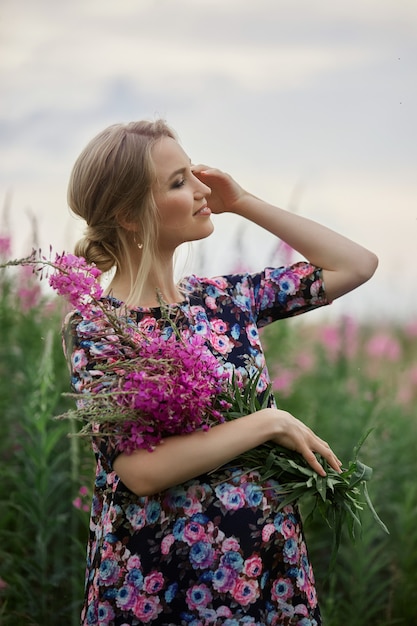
[366,267]
[141,488]
[135,474]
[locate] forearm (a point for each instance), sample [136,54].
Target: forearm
[346,264]
[180,458]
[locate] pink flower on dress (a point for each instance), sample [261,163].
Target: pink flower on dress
[78,360]
[267,532]
[198,596]
[193,531]
[252,334]
[288,528]
[166,543]
[230,543]
[219,326]
[253,566]
[224,611]
[153,582]
[233,498]
[147,608]
[282,589]
[245,591]
[221,343]
[134,562]
[211,302]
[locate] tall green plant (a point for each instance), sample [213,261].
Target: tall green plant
[42,535]
[345,391]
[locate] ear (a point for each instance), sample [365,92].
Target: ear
[127,225]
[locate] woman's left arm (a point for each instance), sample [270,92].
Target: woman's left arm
[345,264]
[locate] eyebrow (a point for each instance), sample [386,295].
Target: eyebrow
[181,170]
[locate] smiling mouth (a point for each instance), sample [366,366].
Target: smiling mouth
[204,210]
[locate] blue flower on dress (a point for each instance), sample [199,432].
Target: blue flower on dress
[135,578]
[253,494]
[178,530]
[152,511]
[200,518]
[109,572]
[233,560]
[201,555]
[171,592]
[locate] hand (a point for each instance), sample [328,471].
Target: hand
[225,192]
[295,435]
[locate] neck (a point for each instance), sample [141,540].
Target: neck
[159,280]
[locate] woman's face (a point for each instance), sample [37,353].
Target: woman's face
[180,197]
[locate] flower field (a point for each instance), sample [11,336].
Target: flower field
[343,379]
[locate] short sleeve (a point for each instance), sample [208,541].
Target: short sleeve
[287,291]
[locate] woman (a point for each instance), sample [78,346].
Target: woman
[173,542]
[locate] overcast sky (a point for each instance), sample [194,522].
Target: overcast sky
[308,104]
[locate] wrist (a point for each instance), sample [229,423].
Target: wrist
[273,423]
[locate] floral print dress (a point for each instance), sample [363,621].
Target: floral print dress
[214,550]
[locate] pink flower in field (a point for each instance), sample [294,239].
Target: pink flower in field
[330,338]
[305,361]
[5,246]
[283,382]
[408,389]
[77,502]
[383,345]
[411,329]
[28,290]
[3,584]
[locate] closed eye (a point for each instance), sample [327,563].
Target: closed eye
[178,183]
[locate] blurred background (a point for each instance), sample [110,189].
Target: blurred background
[308,104]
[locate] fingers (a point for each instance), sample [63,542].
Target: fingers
[322,448]
[297,436]
[200,168]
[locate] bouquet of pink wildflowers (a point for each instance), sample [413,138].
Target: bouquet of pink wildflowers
[149,386]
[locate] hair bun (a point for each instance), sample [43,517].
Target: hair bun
[95,252]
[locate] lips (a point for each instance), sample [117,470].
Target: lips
[204,210]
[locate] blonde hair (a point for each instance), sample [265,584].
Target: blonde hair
[110,187]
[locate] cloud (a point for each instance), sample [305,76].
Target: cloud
[285,94]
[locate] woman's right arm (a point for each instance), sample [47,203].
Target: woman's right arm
[180,458]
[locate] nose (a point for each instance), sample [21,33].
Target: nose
[202,188]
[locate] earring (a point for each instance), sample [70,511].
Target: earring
[139,245]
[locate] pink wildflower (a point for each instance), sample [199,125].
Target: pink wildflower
[172,391]
[75,279]
[5,246]
[383,345]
